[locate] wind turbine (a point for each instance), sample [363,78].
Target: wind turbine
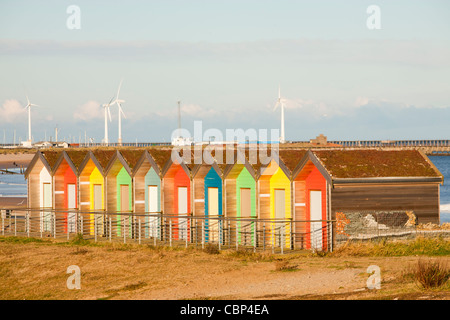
[29,105]
[107,113]
[121,113]
[280,102]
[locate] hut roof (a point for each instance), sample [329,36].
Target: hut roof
[160,155]
[77,156]
[376,163]
[51,156]
[131,156]
[292,157]
[103,156]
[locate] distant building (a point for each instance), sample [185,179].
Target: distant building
[319,140]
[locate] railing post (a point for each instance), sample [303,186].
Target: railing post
[254,235]
[124,231]
[282,238]
[28,223]
[237,242]
[139,232]
[110,228]
[264,236]
[203,234]
[170,232]
[15,223]
[3,222]
[95,227]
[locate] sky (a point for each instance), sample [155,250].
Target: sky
[225,61]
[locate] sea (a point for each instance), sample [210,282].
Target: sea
[15,185]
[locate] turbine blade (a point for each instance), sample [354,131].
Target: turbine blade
[118,90]
[276,105]
[111,101]
[109,114]
[123,113]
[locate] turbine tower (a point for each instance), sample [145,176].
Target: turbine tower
[280,102]
[28,106]
[107,113]
[121,113]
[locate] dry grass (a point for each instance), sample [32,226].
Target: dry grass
[36,269]
[430,274]
[418,246]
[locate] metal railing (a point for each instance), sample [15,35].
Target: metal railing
[159,229]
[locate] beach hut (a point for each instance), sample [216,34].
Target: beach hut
[92,195]
[240,197]
[327,182]
[274,190]
[65,192]
[207,190]
[147,192]
[119,190]
[177,194]
[40,189]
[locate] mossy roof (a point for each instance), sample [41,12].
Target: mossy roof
[131,156]
[375,163]
[291,157]
[51,156]
[160,155]
[77,156]
[103,156]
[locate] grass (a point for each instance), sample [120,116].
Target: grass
[430,274]
[420,246]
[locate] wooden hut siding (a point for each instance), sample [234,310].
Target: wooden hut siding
[299,211]
[199,197]
[230,197]
[421,198]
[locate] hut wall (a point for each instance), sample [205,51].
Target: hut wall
[422,199]
[199,197]
[230,198]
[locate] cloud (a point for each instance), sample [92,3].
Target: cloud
[11,111]
[91,110]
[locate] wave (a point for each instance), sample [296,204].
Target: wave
[13,184]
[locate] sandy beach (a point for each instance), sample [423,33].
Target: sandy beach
[13,202]
[9,161]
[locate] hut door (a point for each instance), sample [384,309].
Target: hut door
[153,208]
[315,200]
[246,203]
[213,210]
[153,198]
[213,201]
[280,204]
[71,204]
[124,198]
[47,203]
[182,210]
[97,197]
